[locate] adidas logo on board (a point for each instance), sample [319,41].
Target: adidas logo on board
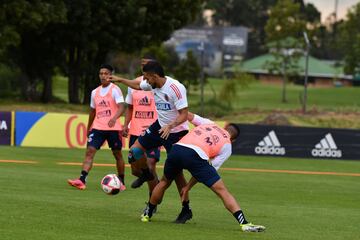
[270,145]
[326,148]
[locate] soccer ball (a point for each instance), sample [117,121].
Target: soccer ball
[111,184]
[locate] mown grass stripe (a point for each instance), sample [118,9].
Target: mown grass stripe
[291,171]
[236,169]
[19,161]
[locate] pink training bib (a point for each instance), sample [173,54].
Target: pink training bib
[144,112]
[106,108]
[209,137]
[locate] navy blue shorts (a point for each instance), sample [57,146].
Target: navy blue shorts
[151,138]
[181,157]
[97,138]
[152,153]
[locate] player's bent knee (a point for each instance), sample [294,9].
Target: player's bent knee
[135,154]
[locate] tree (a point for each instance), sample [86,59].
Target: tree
[311,13]
[254,15]
[18,16]
[165,54]
[77,36]
[188,71]
[96,28]
[284,37]
[323,37]
[350,40]
[25,44]
[230,89]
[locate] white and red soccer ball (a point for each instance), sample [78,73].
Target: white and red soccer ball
[111,184]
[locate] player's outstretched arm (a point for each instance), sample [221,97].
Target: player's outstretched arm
[182,117]
[197,120]
[130,83]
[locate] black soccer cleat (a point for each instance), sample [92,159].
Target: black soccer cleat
[185,214]
[146,209]
[144,177]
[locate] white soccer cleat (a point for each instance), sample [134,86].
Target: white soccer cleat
[249,227]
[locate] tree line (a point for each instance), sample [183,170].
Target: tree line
[42,38]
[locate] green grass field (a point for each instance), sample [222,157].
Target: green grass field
[268,97]
[37,203]
[327,107]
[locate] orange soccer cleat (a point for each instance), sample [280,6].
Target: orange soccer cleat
[77,183]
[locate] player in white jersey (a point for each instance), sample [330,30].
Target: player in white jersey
[172,109]
[140,114]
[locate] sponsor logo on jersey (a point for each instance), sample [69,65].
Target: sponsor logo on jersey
[163,106]
[144,114]
[102,114]
[145,101]
[326,148]
[103,103]
[270,145]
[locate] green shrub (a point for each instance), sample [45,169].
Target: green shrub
[9,81]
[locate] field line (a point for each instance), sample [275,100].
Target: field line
[236,169]
[291,172]
[19,161]
[94,164]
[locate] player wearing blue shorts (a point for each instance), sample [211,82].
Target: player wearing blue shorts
[140,114]
[171,125]
[202,151]
[107,105]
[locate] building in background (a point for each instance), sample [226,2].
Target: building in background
[321,73]
[222,45]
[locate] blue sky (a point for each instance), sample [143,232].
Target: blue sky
[326,7]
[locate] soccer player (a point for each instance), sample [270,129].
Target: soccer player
[170,127]
[201,152]
[107,105]
[140,114]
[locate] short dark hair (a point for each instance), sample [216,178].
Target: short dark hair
[149,56]
[234,125]
[107,66]
[154,67]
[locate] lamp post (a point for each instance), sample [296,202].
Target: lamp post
[202,49]
[306,71]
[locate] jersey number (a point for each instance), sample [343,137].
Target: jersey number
[208,141]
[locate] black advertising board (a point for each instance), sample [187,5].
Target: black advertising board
[301,142]
[5,128]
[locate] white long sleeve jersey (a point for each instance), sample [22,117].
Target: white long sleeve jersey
[224,153]
[170,98]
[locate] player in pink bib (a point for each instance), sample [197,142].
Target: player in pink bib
[140,114]
[202,151]
[107,105]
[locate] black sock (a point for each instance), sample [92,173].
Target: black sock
[147,174]
[151,209]
[83,176]
[240,217]
[185,204]
[122,178]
